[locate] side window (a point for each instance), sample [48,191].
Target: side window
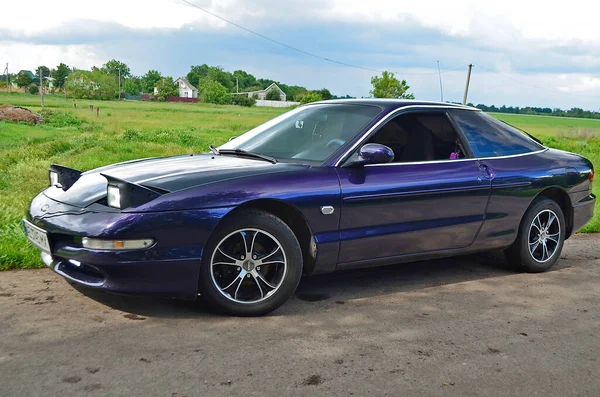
[489,137]
[420,136]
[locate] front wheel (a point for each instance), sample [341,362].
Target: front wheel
[251,265]
[540,239]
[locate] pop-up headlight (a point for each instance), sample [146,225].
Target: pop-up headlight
[113,196]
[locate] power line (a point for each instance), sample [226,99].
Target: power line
[300,50]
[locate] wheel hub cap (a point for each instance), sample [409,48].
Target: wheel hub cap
[248,266]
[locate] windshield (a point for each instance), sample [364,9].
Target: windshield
[311,133]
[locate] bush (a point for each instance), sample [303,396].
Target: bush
[311,97]
[60,119]
[243,100]
[33,89]
[273,95]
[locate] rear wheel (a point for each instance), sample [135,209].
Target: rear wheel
[251,265]
[540,239]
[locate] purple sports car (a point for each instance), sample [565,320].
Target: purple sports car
[327,186]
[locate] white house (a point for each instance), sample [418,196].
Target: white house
[262,94]
[186,89]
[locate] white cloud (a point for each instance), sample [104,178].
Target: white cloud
[28,56]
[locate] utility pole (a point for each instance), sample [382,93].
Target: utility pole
[237,86]
[441,88]
[6,73]
[41,87]
[467,86]
[119,84]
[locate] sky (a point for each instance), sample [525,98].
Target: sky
[525,53]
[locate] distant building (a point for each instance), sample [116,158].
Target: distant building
[186,89]
[262,94]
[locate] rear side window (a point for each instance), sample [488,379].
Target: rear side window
[490,137]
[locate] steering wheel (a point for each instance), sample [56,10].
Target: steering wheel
[335,142]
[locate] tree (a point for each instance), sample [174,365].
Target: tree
[62,71]
[312,96]
[45,71]
[132,85]
[33,89]
[211,91]
[82,84]
[23,79]
[325,94]
[388,86]
[273,95]
[149,80]
[300,93]
[166,87]
[113,67]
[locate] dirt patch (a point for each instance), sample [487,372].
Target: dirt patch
[18,114]
[313,380]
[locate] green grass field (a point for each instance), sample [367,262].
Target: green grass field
[128,130]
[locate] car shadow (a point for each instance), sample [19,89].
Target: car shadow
[338,287]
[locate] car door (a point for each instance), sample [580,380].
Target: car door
[410,207]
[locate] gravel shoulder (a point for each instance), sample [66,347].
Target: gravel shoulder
[467,326]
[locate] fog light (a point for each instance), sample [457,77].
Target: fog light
[113,196]
[97,244]
[53,175]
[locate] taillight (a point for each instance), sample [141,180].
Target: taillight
[591,175]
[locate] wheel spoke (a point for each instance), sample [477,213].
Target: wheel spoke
[243,233]
[270,263]
[553,237]
[269,255]
[224,254]
[545,253]
[239,277]
[538,226]
[551,219]
[261,277]
[238,287]
[251,252]
[225,263]
[262,294]
[535,247]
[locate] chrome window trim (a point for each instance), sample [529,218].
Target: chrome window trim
[392,114]
[446,161]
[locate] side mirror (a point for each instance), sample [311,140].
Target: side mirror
[374,153]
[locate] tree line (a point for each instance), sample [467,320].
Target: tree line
[573,112]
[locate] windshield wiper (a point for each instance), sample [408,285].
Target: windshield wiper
[241,152]
[524,132]
[214,150]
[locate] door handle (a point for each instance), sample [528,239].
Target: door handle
[488,173]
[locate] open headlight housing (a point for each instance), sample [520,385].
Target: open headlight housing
[122,194]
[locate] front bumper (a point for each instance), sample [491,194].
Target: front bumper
[169,268]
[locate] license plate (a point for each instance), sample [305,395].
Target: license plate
[36,236]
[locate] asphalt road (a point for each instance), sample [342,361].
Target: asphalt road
[468,326]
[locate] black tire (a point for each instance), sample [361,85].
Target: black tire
[269,227]
[519,253]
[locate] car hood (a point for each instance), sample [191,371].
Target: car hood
[163,174]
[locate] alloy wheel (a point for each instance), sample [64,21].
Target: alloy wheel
[248,266]
[544,236]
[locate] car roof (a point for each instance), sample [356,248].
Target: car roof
[390,104]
